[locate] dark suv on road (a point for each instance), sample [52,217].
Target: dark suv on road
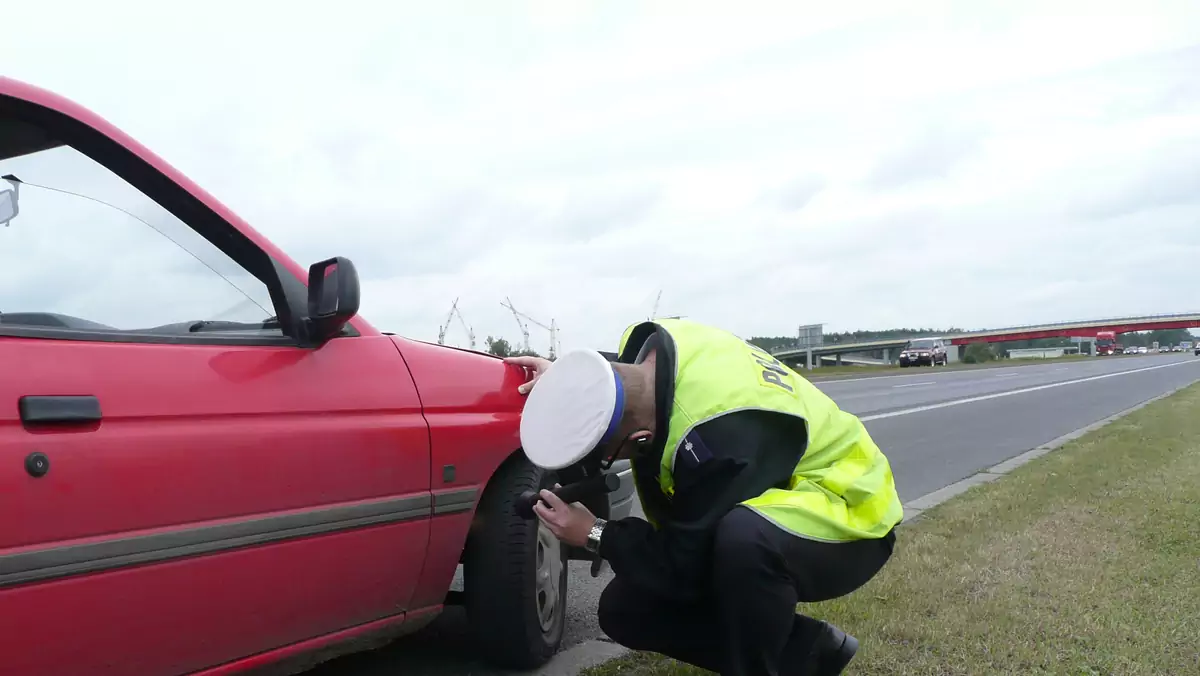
[924,352]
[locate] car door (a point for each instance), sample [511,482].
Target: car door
[178,494]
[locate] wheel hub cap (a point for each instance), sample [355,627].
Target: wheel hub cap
[547,577]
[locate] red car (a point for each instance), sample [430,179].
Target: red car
[182,492]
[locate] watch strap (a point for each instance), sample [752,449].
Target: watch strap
[594,535]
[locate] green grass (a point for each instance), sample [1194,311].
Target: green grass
[1085,561]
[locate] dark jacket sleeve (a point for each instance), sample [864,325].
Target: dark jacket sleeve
[719,464]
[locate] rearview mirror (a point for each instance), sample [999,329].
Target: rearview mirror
[333,297]
[8,200]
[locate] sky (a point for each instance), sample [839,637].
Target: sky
[764,165]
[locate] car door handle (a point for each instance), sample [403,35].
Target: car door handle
[59,410]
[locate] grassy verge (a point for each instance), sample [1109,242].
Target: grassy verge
[1085,561]
[835,372]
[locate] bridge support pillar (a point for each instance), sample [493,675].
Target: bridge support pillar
[838,361]
[808,362]
[887,356]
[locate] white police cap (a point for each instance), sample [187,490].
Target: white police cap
[575,406]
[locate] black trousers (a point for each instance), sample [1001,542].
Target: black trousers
[747,625]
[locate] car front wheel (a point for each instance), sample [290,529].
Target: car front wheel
[515,574]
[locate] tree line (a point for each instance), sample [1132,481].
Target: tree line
[501,347]
[774,343]
[1146,338]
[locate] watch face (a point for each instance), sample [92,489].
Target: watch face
[593,541]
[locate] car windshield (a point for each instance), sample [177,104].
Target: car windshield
[85,250]
[921,345]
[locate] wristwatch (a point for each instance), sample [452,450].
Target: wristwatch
[593,540]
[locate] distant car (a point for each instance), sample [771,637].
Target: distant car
[925,352]
[1177,348]
[1143,350]
[1197,352]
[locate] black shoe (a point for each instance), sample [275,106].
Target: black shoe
[832,651]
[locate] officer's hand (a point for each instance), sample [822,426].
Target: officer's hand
[569,523]
[536,365]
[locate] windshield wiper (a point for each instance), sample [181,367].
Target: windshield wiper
[215,325]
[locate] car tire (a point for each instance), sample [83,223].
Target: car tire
[515,574]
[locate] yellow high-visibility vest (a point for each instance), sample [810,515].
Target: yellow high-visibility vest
[841,490]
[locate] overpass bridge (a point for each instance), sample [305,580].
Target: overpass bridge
[1071,329]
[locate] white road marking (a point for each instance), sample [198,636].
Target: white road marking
[1024,390]
[914,384]
[1006,375]
[951,372]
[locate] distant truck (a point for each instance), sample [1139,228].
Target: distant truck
[1106,343]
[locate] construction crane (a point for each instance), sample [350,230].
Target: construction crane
[654,310]
[455,312]
[446,324]
[519,316]
[466,327]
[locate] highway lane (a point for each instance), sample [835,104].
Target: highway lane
[931,438]
[929,385]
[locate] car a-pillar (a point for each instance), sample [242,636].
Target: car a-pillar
[515,572]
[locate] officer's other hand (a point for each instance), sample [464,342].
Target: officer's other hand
[535,365]
[569,523]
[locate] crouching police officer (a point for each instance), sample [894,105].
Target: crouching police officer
[759,493]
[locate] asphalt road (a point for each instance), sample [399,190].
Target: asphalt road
[936,425]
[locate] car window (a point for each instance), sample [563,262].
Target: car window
[88,252]
[921,344]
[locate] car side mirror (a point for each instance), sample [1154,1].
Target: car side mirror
[8,200]
[333,298]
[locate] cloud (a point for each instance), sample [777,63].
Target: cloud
[796,194]
[1164,177]
[931,154]
[597,212]
[779,164]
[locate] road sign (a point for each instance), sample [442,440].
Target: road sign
[810,335]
